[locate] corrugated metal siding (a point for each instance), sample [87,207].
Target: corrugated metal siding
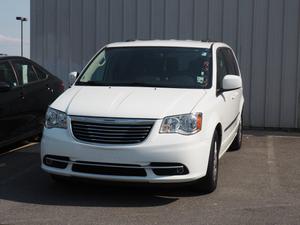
[65,34]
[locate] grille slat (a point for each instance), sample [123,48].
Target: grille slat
[111,131]
[103,126]
[110,136]
[110,141]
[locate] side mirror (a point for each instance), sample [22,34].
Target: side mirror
[4,87]
[72,77]
[231,82]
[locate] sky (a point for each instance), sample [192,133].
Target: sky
[10,28]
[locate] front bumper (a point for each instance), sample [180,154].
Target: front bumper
[173,150]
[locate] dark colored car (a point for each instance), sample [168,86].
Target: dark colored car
[26,90]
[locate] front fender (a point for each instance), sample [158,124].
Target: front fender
[209,125]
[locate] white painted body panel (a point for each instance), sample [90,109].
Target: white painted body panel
[156,148]
[133,102]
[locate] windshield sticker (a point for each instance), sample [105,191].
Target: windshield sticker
[200,79]
[204,54]
[206,65]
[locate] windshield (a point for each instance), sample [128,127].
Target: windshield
[171,67]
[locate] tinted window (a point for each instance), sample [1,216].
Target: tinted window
[41,74]
[150,66]
[7,74]
[221,67]
[231,62]
[25,72]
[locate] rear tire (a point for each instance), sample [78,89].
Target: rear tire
[208,183]
[237,142]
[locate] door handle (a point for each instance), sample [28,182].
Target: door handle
[22,95]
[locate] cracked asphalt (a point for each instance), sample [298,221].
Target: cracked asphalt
[260,184]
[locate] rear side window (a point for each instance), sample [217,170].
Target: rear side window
[41,74]
[24,72]
[7,74]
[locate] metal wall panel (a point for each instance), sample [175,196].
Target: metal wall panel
[186,19]
[88,29]
[245,28]
[116,18]
[129,20]
[171,19]
[63,34]
[157,20]
[215,19]
[34,11]
[102,23]
[259,56]
[274,63]
[76,40]
[143,19]
[50,40]
[264,34]
[289,62]
[230,22]
[201,7]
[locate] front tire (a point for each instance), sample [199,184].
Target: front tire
[237,142]
[208,183]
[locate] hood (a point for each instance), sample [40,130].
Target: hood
[128,102]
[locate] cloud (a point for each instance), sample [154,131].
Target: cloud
[11,40]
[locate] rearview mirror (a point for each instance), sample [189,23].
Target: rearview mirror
[231,82]
[72,77]
[4,87]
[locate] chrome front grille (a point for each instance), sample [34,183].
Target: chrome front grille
[111,130]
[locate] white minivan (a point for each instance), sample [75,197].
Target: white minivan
[148,111]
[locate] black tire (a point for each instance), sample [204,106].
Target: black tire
[237,142]
[208,183]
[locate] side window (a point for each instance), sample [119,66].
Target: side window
[231,62]
[41,74]
[24,72]
[221,67]
[7,74]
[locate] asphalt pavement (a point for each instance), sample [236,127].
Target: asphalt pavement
[260,184]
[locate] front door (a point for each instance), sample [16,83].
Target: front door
[11,106]
[225,100]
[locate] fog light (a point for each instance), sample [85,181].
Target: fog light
[60,162]
[48,161]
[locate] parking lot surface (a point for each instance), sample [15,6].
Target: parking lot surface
[260,184]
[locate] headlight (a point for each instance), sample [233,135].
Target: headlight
[182,124]
[55,119]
